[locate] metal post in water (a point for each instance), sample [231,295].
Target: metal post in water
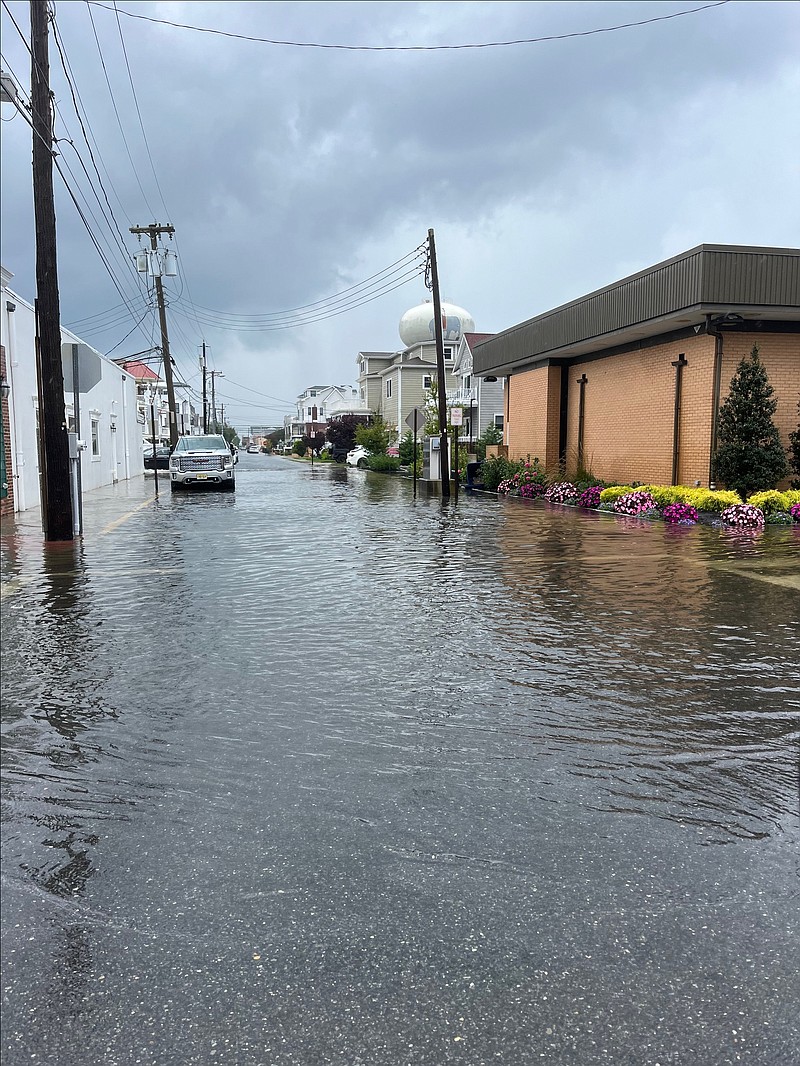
[153,431]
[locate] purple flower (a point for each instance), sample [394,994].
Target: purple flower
[590,497]
[681,513]
[743,516]
[636,503]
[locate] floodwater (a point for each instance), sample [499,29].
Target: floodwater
[318,774]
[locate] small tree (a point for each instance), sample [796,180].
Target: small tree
[230,435]
[750,456]
[376,437]
[342,431]
[491,435]
[794,450]
[314,442]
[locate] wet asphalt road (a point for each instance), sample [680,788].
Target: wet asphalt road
[314,774]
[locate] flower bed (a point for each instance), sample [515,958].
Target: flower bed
[674,504]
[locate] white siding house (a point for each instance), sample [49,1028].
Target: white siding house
[108,412]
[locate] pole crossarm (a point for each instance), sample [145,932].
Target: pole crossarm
[154,231]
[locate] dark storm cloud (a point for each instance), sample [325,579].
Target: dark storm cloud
[279,165]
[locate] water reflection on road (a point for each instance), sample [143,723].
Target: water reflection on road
[319,773]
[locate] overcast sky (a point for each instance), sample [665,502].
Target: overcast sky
[290,174]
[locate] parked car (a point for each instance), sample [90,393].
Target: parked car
[358,457]
[161,460]
[202,461]
[253,449]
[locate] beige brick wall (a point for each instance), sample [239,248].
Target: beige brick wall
[780,354]
[532,418]
[629,407]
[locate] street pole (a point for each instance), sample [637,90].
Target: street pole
[57,516]
[154,231]
[153,431]
[444,457]
[205,401]
[214,376]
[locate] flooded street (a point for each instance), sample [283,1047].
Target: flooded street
[313,773]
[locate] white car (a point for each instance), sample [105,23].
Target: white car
[358,456]
[205,460]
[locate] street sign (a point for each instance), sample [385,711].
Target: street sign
[415,420]
[456,416]
[89,364]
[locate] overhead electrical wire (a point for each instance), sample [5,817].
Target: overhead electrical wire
[92,236]
[80,112]
[320,317]
[116,112]
[409,47]
[417,253]
[138,111]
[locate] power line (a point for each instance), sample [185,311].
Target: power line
[78,208]
[404,260]
[116,111]
[138,111]
[410,47]
[309,320]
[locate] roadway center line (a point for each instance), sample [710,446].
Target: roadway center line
[125,517]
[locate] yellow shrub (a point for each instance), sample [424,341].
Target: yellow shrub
[706,500]
[770,501]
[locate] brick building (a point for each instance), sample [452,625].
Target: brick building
[629,379]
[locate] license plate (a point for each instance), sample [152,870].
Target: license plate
[202,477]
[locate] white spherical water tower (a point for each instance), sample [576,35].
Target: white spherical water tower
[417,325]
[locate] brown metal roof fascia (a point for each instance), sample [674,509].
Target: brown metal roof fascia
[721,276]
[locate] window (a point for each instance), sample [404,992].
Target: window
[309,412]
[468,381]
[448,353]
[388,387]
[95,437]
[312,392]
[322,412]
[427,381]
[498,421]
[362,394]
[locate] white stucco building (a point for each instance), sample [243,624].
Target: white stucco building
[108,412]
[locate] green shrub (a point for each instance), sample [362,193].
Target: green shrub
[613,493]
[497,469]
[299,448]
[792,496]
[383,464]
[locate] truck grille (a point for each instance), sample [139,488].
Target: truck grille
[202,462]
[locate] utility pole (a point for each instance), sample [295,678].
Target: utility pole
[214,374]
[154,231]
[56,479]
[444,455]
[205,401]
[222,416]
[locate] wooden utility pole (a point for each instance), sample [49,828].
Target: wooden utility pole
[205,401]
[55,481]
[444,455]
[154,231]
